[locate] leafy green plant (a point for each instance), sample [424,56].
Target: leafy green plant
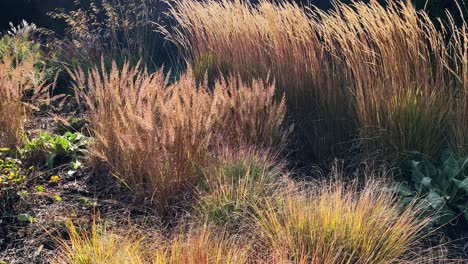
[20,48]
[17,44]
[443,185]
[87,202]
[53,150]
[21,45]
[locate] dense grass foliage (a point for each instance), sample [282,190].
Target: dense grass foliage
[20,87]
[112,30]
[329,224]
[383,77]
[405,74]
[155,136]
[22,84]
[100,245]
[230,160]
[242,180]
[282,44]
[190,246]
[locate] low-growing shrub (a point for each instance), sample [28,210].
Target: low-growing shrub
[441,186]
[17,45]
[335,223]
[238,182]
[22,43]
[155,136]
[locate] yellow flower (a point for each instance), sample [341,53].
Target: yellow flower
[54,179]
[11,175]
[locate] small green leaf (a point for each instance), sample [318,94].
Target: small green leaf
[39,188]
[426,182]
[451,168]
[462,184]
[50,160]
[25,218]
[446,216]
[76,165]
[57,198]
[435,200]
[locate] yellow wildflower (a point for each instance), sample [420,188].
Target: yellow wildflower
[54,179]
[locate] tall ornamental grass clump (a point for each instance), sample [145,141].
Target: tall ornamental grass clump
[405,74]
[458,49]
[156,136]
[20,88]
[385,78]
[271,41]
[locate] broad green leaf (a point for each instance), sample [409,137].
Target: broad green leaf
[464,164]
[451,168]
[435,200]
[426,182]
[462,184]
[417,176]
[25,218]
[50,160]
[403,190]
[445,216]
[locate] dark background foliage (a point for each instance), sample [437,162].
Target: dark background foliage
[36,10]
